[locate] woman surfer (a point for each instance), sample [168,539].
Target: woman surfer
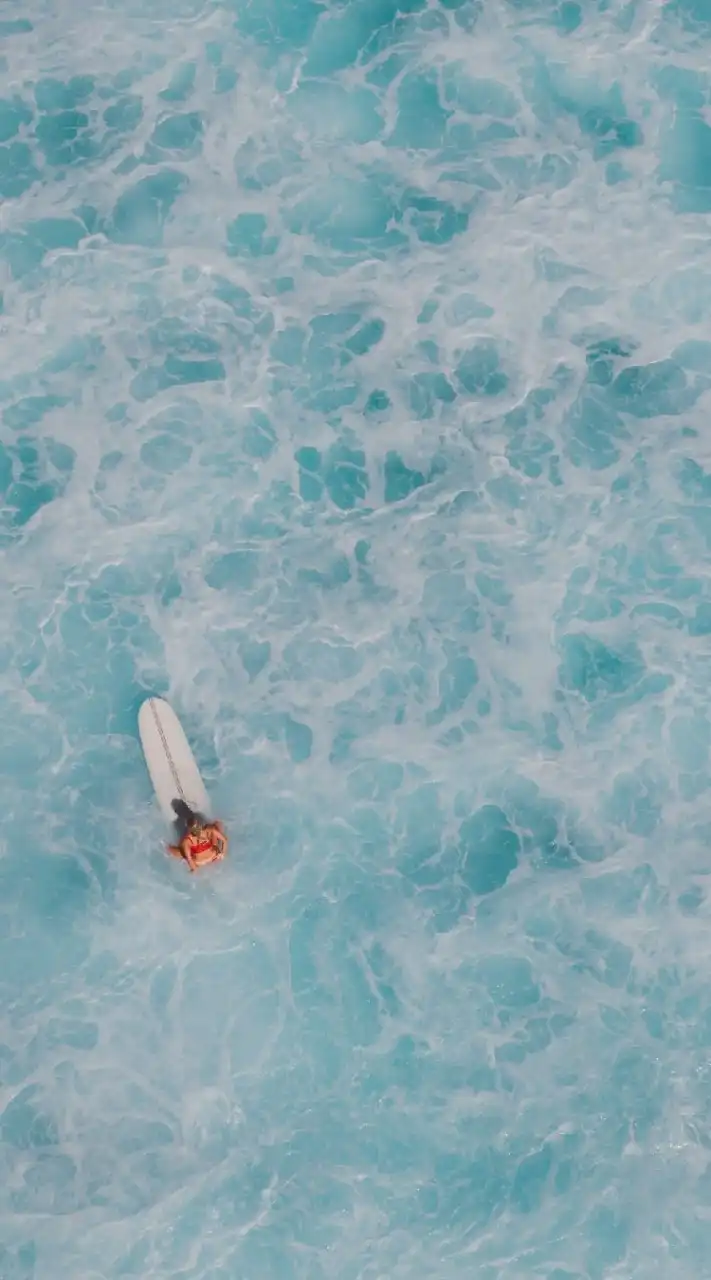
[199,840]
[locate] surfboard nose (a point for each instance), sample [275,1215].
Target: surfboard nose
[172,767]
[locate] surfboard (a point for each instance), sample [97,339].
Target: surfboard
[171,764]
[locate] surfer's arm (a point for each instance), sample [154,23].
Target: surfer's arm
[182,850]
[219,839]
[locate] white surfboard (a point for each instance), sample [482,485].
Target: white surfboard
[171,764]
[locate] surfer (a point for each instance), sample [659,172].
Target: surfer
[199,840]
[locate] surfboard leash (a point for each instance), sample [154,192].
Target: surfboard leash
[166,748]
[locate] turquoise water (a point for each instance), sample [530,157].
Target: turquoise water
[354,394]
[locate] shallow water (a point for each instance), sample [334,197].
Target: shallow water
[354,394]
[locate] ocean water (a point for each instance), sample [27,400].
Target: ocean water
[355,384]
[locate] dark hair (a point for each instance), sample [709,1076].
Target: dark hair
[187,818]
